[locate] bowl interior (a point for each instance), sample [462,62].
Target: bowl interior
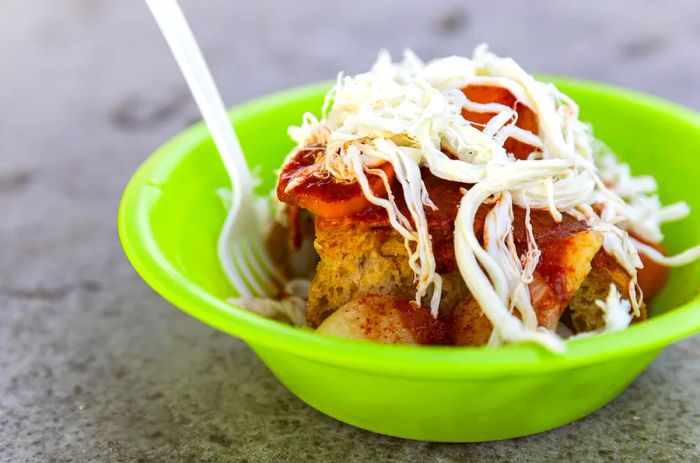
[171,215]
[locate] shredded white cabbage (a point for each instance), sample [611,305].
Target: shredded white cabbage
[616,310]
[616,316]
[410,113]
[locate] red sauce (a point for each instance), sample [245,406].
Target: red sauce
[552,239]
[546,229]
[323,195]
[418,321]
[326,187]
[446,196]
[303,157]
[551,270]
[527,119]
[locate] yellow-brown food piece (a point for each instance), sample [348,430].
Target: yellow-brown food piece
[565,263]
[357,261]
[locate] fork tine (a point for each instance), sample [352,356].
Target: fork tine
[231,270]
[270,269]
[263,278]
[238,252]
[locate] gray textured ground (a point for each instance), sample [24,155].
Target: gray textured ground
[96,367]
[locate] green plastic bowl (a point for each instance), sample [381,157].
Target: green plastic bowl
[170,217]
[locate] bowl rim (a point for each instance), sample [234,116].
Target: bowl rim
[141,248]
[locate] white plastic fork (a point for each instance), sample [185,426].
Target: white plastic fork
[240,248]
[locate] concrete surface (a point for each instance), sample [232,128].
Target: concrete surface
[94,366]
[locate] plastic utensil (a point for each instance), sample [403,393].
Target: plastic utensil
[168,222]
[240,248]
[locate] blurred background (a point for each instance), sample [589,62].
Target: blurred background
[94,366]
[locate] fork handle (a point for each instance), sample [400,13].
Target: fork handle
[189,57]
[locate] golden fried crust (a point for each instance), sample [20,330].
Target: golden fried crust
[357,260]
[468,326]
